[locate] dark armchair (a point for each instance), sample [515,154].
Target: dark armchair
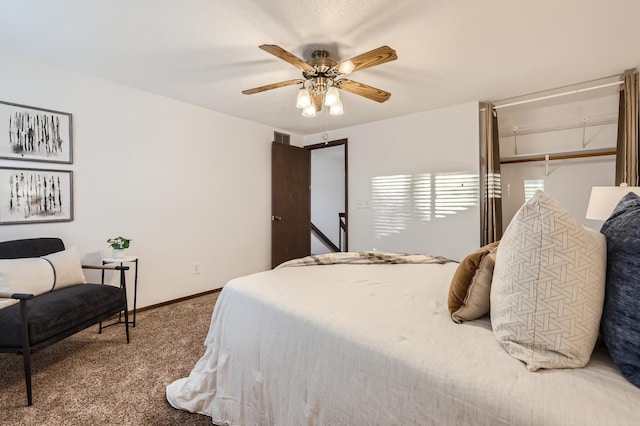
[38,321]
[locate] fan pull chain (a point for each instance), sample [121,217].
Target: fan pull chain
[325,135]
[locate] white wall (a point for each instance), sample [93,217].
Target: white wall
[440,144]
[186,184]
[568,181]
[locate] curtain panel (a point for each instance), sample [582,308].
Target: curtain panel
[627,147]
[490,181]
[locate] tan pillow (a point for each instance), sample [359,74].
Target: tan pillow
[470,288]
[67,266]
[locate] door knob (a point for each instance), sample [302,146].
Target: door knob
[276,218]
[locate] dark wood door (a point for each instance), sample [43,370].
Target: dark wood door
[290,203]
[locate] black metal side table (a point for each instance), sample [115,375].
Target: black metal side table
[132,259]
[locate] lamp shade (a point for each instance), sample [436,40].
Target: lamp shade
[346,67]
[337,108]
[304,99]
[332,96]
[605,198]
[309,111]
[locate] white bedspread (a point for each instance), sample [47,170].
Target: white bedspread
[374,345]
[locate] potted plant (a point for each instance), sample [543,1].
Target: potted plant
[118,244]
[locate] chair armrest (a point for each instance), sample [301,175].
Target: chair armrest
[111,267]
[19,296]
[107,267]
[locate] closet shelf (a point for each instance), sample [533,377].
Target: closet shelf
[558,155]
[596,121]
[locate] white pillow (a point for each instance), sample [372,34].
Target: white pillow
[548,286]
[37,275]
[31,276]
[67,266]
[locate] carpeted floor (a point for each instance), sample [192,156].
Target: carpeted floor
[93,379]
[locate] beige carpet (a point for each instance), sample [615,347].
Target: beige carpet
[93,379]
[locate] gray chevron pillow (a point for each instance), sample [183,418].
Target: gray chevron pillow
[548,286]
[620,326]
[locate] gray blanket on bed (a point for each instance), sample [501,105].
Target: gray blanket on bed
[365,257]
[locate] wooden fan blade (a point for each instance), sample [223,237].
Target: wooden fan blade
[317,101]
[372,58]
[287,57]
[271,86]
[368,92]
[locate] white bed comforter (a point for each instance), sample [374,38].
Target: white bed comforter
[374,345]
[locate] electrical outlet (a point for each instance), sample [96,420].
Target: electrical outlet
[196,268]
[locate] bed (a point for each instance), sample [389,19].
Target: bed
[374,344]
[539,328]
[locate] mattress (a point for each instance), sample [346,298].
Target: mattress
[374,345]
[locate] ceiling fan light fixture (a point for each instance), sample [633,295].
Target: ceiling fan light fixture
[322,77]
[332,96]
[309,111]
[304,99]
[337,108]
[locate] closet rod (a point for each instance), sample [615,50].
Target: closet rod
[550,157]
[556,95]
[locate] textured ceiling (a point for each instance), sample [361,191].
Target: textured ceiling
[205,52]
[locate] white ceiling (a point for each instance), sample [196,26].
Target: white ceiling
[205,52]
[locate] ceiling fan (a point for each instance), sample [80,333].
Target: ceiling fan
[322,77]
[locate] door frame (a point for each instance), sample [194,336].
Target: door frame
[328,144]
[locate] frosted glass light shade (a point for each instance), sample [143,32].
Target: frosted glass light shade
[605,198]
[332,96]
[336,109]
[346,67]
[309,111]
[304,99]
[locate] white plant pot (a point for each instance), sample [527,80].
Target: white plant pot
[118,253]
